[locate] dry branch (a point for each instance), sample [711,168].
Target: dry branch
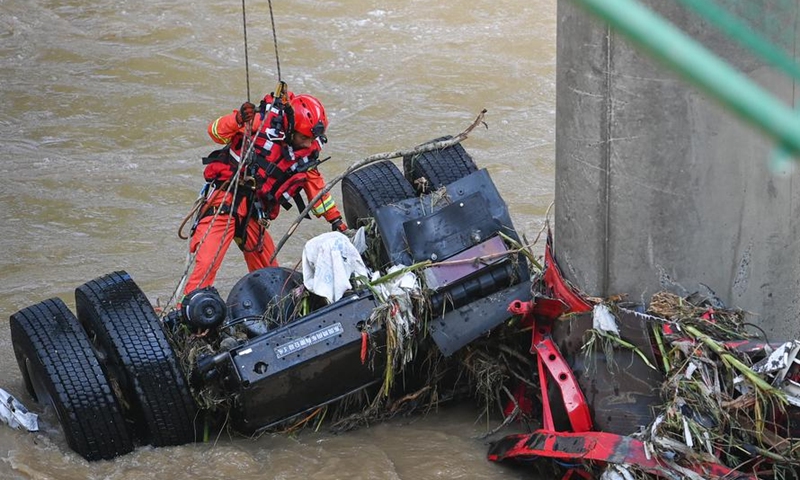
[425,147]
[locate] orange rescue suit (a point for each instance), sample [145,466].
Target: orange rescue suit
[212,237]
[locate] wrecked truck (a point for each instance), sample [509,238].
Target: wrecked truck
[623,393]
[116,377]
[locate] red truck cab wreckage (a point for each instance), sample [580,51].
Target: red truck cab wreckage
[577,440]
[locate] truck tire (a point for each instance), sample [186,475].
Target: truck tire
[56,359]
[431,170]
[370,188]
[126,329]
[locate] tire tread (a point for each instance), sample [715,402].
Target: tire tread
[49,334]
[371,187]
[439,167]
[117,310]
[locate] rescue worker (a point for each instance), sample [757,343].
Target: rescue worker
[287,132]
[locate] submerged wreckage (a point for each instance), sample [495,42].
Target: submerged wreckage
[448,297]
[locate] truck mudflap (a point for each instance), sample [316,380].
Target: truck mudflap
[459,327]
[308,363]
[436,226]
[621,388]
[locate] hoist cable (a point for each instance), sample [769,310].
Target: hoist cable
[246,60]
[247,145]
[275,40]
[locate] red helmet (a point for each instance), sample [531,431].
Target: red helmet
[309,116]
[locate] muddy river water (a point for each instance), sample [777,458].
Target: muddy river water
[103,111]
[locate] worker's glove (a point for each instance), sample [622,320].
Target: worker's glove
[338,225]
[246,113]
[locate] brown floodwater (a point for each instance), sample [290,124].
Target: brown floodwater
[104,106]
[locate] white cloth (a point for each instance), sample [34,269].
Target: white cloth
[329,260]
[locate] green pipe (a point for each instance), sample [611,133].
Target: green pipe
[735,91]
[739,31]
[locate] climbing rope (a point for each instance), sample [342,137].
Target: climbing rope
[232,187]
[274,42]
[190,257]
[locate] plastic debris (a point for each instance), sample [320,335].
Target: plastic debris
[404,284]
[360,240]
[617,472]
[778,366]
[604,320]
[13,413]
[399,317]
[779,360]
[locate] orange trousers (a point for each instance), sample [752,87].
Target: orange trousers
[213,236]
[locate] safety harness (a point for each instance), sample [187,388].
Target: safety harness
[274,175]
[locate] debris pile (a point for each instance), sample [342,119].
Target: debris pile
[728,397]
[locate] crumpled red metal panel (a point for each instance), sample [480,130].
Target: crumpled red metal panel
[554,281]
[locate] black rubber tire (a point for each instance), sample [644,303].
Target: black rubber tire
[123,324]
[60,368]
[370,188]
[438,167]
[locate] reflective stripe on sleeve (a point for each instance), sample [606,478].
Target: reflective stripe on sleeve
[216,134]
[323,205]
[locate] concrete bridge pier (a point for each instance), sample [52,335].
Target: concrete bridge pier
[656,184]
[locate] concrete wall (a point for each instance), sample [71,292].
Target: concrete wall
[657,184]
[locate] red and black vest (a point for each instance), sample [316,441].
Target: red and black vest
[279,170]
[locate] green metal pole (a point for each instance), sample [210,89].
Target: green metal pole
[740,32]
[714,76]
